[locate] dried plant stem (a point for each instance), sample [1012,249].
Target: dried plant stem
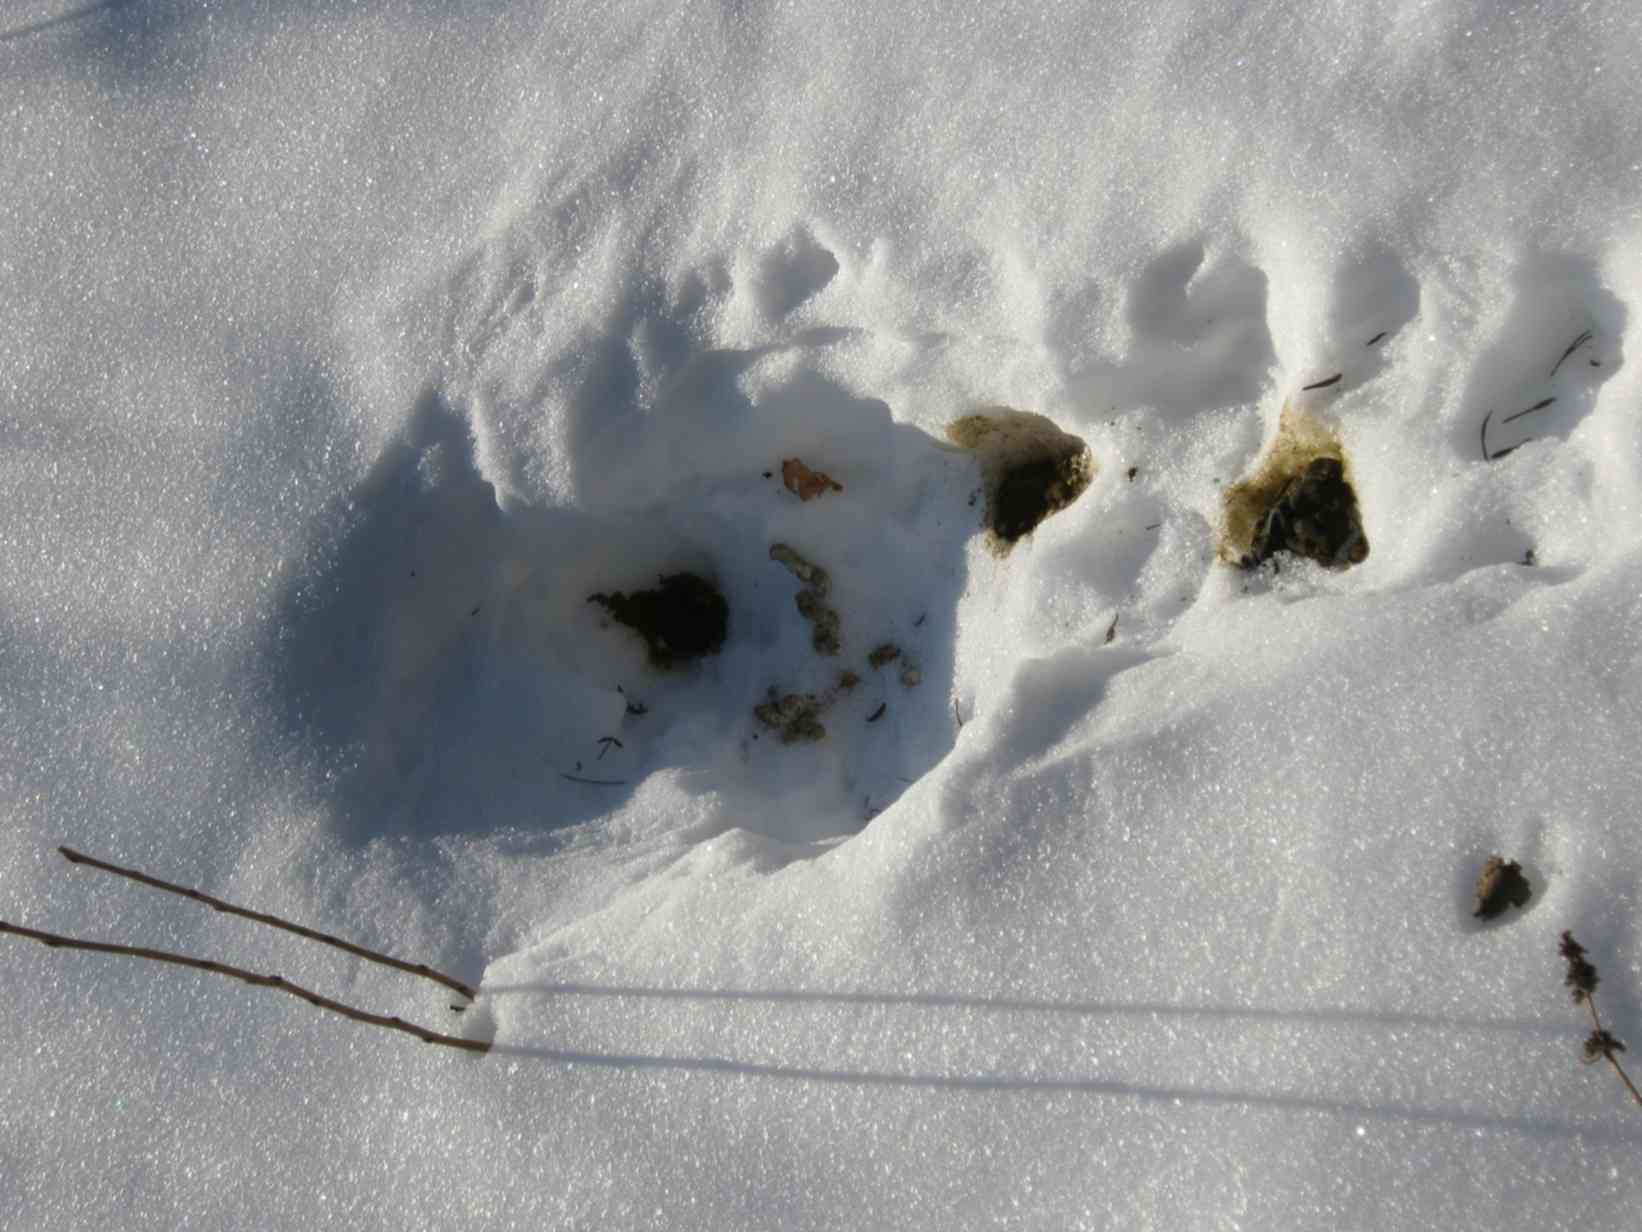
[1596,1024]
[216,904]
[250,977]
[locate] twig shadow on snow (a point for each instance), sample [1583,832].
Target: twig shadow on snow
[1088,1009]
[33,28]
[1003,1084]
[1458,1118]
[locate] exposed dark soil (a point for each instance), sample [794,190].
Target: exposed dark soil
[683,618]
[1315,516]
[1032,468]
[1299,500]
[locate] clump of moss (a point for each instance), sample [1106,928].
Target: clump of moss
[811,601]
[1299,500]
[886,653]
[1032,468]
[797,716]
[685,617]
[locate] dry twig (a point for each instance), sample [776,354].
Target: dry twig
[1582,980]
[55,941]
[216,904]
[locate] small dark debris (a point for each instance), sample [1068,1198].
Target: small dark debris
[1154,526]
[1131,473]
[576,778]
[476,608]
[1333,380]
[604,743]
[848,680]
[1538,406]
[919,623]
[1500,885]
[683,618]
[1111,632]
[1377,338]
[769,474]
[886,653]
[1573,346]
[413,572]
[1316,517]
[1530,558]
[878,713]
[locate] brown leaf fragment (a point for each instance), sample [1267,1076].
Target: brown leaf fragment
[804,482]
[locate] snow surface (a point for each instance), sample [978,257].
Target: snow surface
[345,349]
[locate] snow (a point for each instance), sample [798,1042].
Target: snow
[346,350]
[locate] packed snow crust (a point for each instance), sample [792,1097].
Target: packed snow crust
[346,349]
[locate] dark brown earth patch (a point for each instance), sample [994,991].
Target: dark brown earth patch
[684,618]
[1299,500]
[1032,468]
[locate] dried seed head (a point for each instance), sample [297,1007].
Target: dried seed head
[1581,978]
[1600,1044]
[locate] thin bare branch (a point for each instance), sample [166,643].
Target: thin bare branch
[56,941]
[216,904]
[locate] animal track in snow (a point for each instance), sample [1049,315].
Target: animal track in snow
[1558,343]
[1199,339]
[794,271]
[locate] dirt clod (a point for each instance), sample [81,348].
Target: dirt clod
[685,617]
[1500,885]
[1032,468]
[797,716]
[1299,500]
